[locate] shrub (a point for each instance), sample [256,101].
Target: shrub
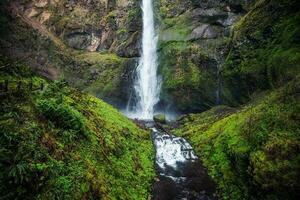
[62,115]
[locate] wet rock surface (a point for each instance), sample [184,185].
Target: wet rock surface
[180,172]
[194,40]
[160,118]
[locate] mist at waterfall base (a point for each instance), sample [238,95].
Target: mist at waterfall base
[147,83]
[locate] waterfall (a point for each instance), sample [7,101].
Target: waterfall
[218,76]
[147,83]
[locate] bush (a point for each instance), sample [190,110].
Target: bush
[64,116]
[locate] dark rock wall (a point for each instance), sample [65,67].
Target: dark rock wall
[103,25]
[93,44]
[264,50]
[193,43]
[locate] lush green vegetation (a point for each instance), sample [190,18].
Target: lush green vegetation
[251,152]
[60,143]
[264,51]
[189,63]
[261,51]
[99,73]
[103,78]
[178,64]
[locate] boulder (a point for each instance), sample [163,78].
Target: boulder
[204,31]
[160,118]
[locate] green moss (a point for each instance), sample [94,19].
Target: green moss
[111,17]
[103,76]
[99,58]
[175,28]
[183,78]
[64,144]
[269,54]
[80,16]
[122,31]
[251,153]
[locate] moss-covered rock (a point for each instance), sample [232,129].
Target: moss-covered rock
[188,76]
[88,25]
[193,38]
[160,118]
[60,143]
[264,51]
[260,53]
[252,152]
[103,74]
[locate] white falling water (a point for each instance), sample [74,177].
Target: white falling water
[147,84]
[171,150]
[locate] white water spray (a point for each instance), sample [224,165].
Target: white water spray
[147,83]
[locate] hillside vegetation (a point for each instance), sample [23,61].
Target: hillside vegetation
[234,62]
[60,143]
[264,50]
[251,152]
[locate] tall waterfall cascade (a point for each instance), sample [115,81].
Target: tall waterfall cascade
[147,83]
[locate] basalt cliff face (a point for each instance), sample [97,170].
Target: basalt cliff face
[89,25]
[93,44]
[194,39]
[223,52]
[210,52]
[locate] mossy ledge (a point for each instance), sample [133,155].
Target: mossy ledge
[60,143]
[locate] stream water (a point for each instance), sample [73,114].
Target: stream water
[180,172]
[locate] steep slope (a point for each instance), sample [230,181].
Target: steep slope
[264,50]
[91,44]
[221,52]
[252,152]
[59,143]
[193,38]
[103,25]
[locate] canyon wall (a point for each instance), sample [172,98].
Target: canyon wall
[210,52]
